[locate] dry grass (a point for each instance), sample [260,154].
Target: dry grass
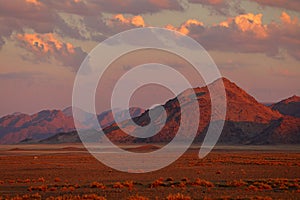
[236,183]
[137,197]
[41,179]
[38,188]
[178,196]
[35,196]
[78,197]
[261,198]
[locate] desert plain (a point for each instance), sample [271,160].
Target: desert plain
[69,171]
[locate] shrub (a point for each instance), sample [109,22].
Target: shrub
[52,189]
[185,179]
[11,181]
[57,179]
[36,196]
[97,185]
[178,196]
[237,183]
[71,188]
[41,179]
[27,180]
[118,185]
[203,183]
[169,179]
[181,184]
[252,188]
[156,183]
[137,197]
[77,197]
[128,184]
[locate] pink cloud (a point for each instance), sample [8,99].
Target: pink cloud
[290,4]
[220,6]
[44,16]
[136,7]
[242,33]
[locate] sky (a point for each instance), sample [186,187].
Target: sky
[254,43]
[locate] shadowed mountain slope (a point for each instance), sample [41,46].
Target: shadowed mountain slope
[289,106]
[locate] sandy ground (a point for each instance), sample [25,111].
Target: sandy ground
[251,172]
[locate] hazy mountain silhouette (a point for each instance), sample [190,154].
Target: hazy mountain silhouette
[31,128]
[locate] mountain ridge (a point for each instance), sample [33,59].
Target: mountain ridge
[247,121]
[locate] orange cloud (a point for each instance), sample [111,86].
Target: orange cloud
[216,2]
[226,23]
[35,2]
[121,18]
[137,21]
[244,23]
[286,18]
[184,28]
[45,43]
[45,46]
[248,23]
[171,27]
[251,22]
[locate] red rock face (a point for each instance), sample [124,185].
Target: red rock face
[243,107]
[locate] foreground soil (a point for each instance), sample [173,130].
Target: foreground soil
[70,172]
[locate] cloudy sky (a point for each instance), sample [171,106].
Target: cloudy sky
[255,43]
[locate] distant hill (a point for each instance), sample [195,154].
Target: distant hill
[71,137]
[25,128]
[15,128]
[289,106]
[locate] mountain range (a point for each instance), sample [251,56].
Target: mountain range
[19,127]
[247,121]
